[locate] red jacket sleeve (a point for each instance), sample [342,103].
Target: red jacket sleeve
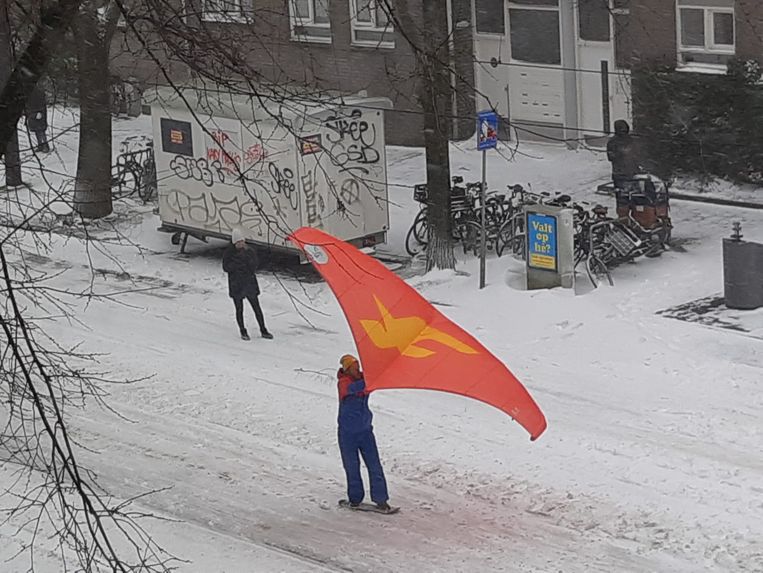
[347,386]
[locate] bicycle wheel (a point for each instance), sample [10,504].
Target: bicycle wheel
[517,246]
[419,226]
[597,271]
[148,185]
[471,237]
[415,240]
[504,236]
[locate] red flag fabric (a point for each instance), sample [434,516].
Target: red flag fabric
[404,342]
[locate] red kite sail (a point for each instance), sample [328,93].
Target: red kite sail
[404,342]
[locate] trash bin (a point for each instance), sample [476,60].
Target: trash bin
[743,274]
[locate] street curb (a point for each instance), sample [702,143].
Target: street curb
[715,201]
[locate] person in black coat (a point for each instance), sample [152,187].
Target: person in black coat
[37,117]
[240,262]
[624,154]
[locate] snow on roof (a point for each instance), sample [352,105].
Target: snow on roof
[267,105]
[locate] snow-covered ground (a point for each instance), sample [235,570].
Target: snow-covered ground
[651,463]
[720,189]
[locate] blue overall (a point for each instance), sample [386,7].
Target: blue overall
[356,438]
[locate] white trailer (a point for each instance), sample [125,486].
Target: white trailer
[228,161]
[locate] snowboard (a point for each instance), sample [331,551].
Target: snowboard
[368,507]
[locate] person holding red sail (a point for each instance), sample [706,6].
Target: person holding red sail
[356,437]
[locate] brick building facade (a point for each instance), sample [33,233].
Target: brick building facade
[687,33]
[553,69]
[325,46]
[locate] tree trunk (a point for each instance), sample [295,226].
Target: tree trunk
[12,162]
[11,147]
[440,240]
[92,189]
[55,20]
[434,97]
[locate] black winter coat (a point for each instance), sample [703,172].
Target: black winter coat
[36,109]
[241,266]
[624,154]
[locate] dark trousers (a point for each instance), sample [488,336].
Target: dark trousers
[255,302]
[363,443]
[42,141]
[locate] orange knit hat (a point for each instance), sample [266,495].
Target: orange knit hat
[347,360]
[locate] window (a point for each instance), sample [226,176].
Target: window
[534,31]
[489,17]
[227,10]
[706,32]
[310,20]
[370,24]
[593,20]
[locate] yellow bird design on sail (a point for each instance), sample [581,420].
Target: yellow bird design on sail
[406,333]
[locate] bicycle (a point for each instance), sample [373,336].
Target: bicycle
[590,244]
[511,233]
[462,201]
[135,172]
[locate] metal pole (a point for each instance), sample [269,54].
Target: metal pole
[605,95]
[483,242]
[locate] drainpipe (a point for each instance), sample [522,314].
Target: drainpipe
[570,76]
[452,64]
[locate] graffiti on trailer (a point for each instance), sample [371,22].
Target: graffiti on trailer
[201,169]
[352,126]
[211,212]
[283,184]
[351,141]
[350,191]
[312,207]
[220,137]
[230,159]
[354,158]
[254,154]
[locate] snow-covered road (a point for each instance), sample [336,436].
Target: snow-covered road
[651,462]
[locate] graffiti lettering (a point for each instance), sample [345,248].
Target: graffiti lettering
[201,169]
[219,137]
[350,191]
[283,184]
[354,158]
[214,213]
[362,155]
[230,159]
[254,154]
[354,127]
[310,188]
[352,142]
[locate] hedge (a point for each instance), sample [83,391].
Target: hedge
[700,124]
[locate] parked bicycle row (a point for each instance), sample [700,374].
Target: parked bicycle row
[135,170]
[642,224]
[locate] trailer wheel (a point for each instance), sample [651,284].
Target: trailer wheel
[176,238]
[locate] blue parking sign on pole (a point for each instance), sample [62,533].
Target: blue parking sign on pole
[487,130]
[487,138]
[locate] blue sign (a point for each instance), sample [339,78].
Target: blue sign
[487,130]
[541,242]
